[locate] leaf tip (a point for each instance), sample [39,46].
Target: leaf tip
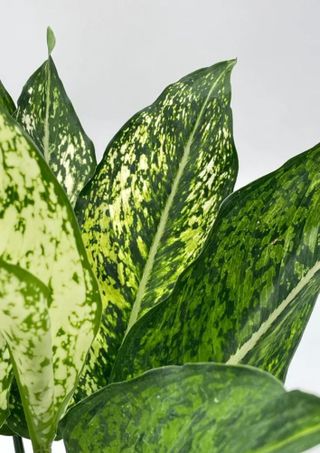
[51,40]
[232,62]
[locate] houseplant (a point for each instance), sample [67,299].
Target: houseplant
[144,303]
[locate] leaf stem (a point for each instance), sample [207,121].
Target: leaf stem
[18,444]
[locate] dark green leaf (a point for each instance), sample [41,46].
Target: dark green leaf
[6,431]
[47,114]
[6,100]
[16,420]
[146,213]
[197,408]
[50,307]
[6,375]
[249,295]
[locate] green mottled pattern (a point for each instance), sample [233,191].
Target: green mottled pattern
[6,100]
[147,212]
[25,325]
[6,375]
[249,295]
[16,419]
[38,232]
[47,114]
[192,409]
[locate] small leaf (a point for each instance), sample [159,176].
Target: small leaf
[249,295]
[6,100]
[39,233]
[195,408]
[46,113]
[51,40]
[146,213]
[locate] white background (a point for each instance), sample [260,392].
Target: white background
[116,56]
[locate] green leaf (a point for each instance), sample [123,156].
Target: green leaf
[195,408]
[146,213]
[16,421]
[248,296]
[48,116]
[39,233]
[51,40]
[6,376]
[25,325]
[6,100]
[6,431]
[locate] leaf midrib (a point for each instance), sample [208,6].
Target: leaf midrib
[165,213]
[46,120]
[241,352]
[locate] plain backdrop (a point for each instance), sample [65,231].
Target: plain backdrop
[116,56]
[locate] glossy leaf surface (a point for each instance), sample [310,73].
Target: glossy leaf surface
[48,116]
[6,100]
[146,213]
[39,233]
[195,408]
[249,295]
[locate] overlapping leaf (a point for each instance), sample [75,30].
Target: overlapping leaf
[195,408]
[47,114]
[249,295]
[25,325]
[146,213]
[6,375]
[6,100]
[39,233]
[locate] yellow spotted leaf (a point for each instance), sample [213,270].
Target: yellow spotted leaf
[46,113]
[147,212]
[40,241]
[248,296]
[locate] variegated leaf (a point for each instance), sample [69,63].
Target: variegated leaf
[249,295]
[16,420]
[6,375]
[146,213]
[6,100]
[47,114]
[25,325]
[39,233]
[198,408]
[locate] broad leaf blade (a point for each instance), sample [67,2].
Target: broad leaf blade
[40,234]
[146,213]
[195,408]
[249,295]
[48,116]
[6,100]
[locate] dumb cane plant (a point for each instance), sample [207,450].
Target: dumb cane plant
[145,307]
